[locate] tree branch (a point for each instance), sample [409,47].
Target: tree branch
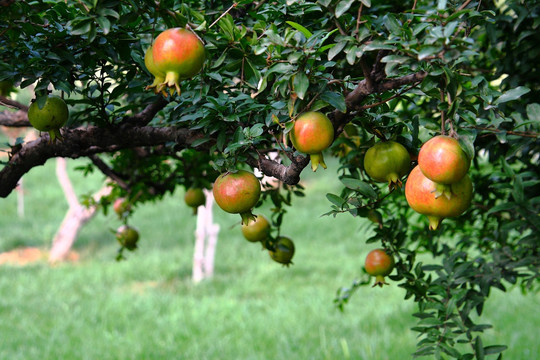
[85,142]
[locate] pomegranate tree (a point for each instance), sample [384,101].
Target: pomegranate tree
[258,230]
[442,160]
[179,54]
[387,161]
[421,196]
[194,198]
[312,133]
[379,264]
[49,116]
[283,251]
[237,193]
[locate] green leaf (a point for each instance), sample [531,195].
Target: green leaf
[337,100]
[533,112]
[104,24]
[361,186]
[336,200]
[336,49]
[366,2]
[300,28]
[512,94]
[392,24]
[467,146]
[342,7]
[501,207]
[479,348]
[494,349]
[300,84]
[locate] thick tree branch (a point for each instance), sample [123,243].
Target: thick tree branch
[85,142]
[14,119]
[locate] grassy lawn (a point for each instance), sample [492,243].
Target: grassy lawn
[147,307]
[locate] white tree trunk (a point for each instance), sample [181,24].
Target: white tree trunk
[76,216]
[206,235]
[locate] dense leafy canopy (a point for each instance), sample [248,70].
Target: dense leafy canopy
[392,70]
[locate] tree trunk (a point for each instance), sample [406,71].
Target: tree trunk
[76,216]
[206,235]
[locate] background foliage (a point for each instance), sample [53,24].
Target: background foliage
[402,70]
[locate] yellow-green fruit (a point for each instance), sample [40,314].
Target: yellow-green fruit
[51,117]
[387,161]
[257,230]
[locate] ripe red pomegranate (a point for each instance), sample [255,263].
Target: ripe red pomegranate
[387,161]
[121,207]
[179,54]
[312,133]
[442,160]
[159,76]
[283,251]
[238,193]
[257,230]
[421,196]
[379,264]
[194,198]
[127,236]
[51,117]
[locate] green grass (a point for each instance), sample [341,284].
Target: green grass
[147,307]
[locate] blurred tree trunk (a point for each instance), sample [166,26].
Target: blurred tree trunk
[76,216]
[206,235]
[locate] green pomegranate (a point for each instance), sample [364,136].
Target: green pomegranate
[194,198]
[379,264]
[122,207]
[179,54]
[312,133]
[387,161]
[237,193]
[6,86]
[283,251]
[51,117]
[421,194]
[258,230]
[127,236]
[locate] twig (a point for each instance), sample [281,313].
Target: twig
[369,106]
[464,5]
[222,15]
[12,103]
[358,20]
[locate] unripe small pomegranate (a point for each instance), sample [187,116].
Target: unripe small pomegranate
[258,230]
[121,207]
[283,251]
[127,236]
[194,198]
[379,264]
[51,117]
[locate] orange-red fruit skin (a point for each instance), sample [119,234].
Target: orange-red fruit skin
[178,50]
[442,160]
[311,134]
[237,192]
[420,194]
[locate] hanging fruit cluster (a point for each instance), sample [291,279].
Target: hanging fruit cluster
[439,186]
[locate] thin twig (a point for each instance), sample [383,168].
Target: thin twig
[222,15]
[443,119]
[369,106]
[464,5]
[358,20]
